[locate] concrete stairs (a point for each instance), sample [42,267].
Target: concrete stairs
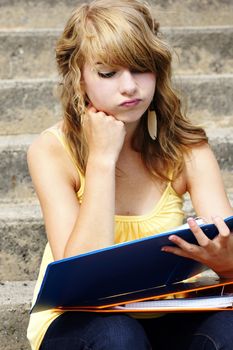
[201,34]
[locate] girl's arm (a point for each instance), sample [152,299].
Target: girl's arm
[74,228]
[205,185]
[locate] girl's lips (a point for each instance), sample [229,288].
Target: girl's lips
[130,103]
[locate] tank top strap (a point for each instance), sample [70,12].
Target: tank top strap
[58,133]
[171,175]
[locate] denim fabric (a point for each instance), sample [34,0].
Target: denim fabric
[187,331]
[87,331]
[191,331]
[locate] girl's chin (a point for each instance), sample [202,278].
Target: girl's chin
[127,118]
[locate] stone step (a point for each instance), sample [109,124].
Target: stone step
[16,184]
[23,240]
[201,50]
[15,298]
[53,14]
[31,53]
[23,235]
[29,106]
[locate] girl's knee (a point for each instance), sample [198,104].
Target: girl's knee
[75,331]
[215,333]
[123,332]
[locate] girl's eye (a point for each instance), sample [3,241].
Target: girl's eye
[106,75]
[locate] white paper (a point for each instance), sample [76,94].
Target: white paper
[201,302]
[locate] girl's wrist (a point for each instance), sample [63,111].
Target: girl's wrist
[101,162]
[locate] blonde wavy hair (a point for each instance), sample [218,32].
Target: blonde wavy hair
[124,33]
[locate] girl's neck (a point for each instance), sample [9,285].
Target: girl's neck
[130,130]
[128,157]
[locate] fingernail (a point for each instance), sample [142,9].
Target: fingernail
[191,221]
[171,238]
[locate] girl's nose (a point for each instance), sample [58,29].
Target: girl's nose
[128,84]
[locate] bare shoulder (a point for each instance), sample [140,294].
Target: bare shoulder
[199,155]
[201,163]
[45,144]
[198,163]
[47,153]
[205,184]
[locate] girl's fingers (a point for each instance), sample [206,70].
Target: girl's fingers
[190,249]
[186,249]
[201,238]
[224,232]
[175,250]
[213,253]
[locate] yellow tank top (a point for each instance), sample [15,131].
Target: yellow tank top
[167,214]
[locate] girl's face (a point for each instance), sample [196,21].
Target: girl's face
[122,93]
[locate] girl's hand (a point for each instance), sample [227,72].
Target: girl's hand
[104,134]
[217,254]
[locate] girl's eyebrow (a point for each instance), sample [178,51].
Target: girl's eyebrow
[98,65]
[102,64]
[106,65]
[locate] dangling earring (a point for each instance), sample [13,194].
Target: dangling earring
[152,124]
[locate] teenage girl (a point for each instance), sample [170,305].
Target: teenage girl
[115,169]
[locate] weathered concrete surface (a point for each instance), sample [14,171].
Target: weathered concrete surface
[14,314]
[198,50]
[29,106]
[53,14]
[207,94]
[201,50]
[28,54]
[16,180]
[23,240]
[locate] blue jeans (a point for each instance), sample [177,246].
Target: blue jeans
[181,331]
